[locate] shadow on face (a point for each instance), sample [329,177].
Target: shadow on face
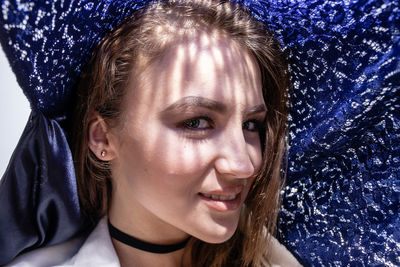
[188,146]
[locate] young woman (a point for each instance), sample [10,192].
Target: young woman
[178,137]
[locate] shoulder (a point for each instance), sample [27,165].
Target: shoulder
[95,250]
[278,255]
[48,256]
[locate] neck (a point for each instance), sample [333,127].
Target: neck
[129,256]
[143,245]
[143,225]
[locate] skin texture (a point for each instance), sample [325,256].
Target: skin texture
[189,129]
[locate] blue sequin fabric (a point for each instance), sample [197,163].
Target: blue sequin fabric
[342,200]
[48,42]
[342,194]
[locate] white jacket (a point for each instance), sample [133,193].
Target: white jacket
[98,251]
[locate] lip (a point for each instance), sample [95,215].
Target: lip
[222,205]
[226,203]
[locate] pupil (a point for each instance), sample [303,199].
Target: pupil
[193,123]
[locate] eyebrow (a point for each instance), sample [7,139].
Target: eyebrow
[257,109]
[199,101]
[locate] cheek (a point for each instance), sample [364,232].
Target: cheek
[255,152]
[168,158]
[176,155]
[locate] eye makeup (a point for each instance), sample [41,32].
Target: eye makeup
[198,123]
[197,117]
[253,125]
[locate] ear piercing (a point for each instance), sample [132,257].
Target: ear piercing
[103,153]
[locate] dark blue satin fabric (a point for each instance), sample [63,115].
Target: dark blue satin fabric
[38,195]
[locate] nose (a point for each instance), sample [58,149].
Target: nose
[234,158]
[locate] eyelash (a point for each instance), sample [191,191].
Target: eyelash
[188,124]
[258,124]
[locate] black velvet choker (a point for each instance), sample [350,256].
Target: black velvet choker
[143,245]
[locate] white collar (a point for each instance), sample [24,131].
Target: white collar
[97,250]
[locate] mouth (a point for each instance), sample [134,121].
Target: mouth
[221,203]
[219,197]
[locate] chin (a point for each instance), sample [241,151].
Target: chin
[220,239]
[219,233]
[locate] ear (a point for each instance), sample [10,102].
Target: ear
[100,140]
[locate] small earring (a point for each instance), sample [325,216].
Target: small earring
[103,153]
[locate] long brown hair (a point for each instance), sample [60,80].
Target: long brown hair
[140,40]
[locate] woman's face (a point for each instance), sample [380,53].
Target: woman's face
[188,144]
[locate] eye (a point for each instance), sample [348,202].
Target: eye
[252,125]
[201,123]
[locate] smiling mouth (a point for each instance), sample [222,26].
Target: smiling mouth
[219,197]
[222,203]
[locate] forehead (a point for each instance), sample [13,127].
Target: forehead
[211,66]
